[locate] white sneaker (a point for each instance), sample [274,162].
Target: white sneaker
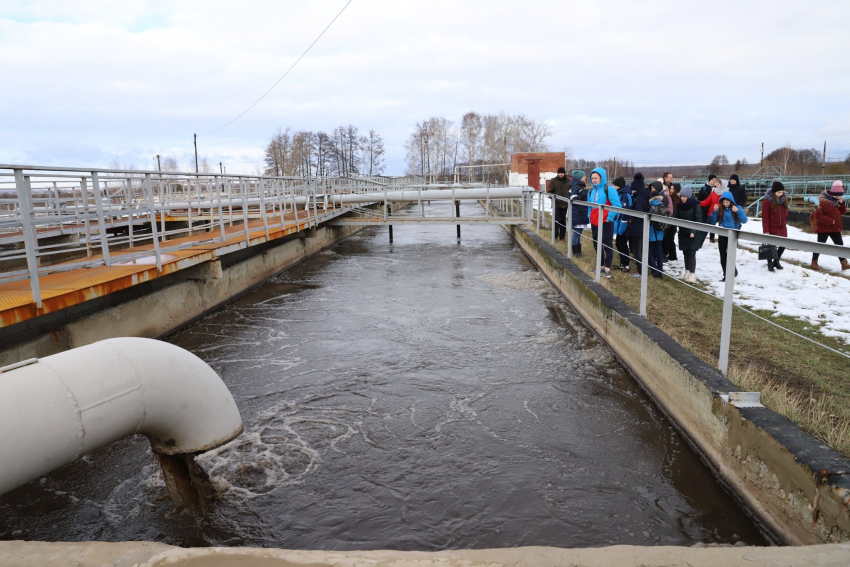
[693,278]
[687,277]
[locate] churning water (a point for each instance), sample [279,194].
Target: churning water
[422,395]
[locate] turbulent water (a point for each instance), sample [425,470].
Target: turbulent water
[421,395]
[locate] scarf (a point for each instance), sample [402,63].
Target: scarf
[720,188]
[834,201]
[779,200]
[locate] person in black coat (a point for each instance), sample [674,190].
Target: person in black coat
[738,191]
[640,203]
[704,194]
[560,186]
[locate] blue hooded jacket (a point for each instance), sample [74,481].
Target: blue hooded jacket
[604,194]
[728,220]
[655,234]
[622,222]
[578,193]
[640,202]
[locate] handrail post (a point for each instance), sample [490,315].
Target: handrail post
[539,210]
[552,203]
[218,183]
[598,243]
[244,198]
[726,321]
[262,188]
[569,229]
[152,215]
[84,197]
[644,265]
[25,207]
[101,226]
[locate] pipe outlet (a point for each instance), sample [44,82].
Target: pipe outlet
[56,409]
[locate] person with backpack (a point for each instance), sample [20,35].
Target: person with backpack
[657,204]
[738,191]
[774,217]
[580,216]
[622,222]
[826,220]
[712,199]
[634,230]
[603,228]
[560,187]
[727,214]
[690,240]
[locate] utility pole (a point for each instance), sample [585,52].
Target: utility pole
[823,163]
[196,153]
[158,165]
[762,156]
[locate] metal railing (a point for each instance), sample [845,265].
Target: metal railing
[81,216]
[534,213]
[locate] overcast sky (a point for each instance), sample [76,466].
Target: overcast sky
[657,82]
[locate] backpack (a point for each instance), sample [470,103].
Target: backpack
[662,211]
[812,220]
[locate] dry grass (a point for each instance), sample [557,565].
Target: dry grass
[802,381]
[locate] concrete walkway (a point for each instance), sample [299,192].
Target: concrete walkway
[148,554]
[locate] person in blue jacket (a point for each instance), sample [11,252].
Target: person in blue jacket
[656,240]
[640,203]
[603,227]
[580,217]
[727,214]
[620,225]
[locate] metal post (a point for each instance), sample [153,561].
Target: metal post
[385,204]
[644,269]
[569,229]
[552,202]
[218,182]
[84,194]
[457,216]
[101,226]
[539,206]
[56,198]
[130,210]
[161,188]
[263,207]
[244,197]
[598,241]
[25,208]
[487,206]
[390,207]
[152,216]
[316,205]
[189,209]
[726,324]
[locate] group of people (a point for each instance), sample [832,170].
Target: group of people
[719,202]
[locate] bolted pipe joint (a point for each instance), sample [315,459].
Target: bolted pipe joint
[56,409]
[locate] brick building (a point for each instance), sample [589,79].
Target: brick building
[547,162]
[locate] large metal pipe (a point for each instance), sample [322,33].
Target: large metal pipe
[56,409]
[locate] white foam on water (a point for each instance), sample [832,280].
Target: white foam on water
[523,281]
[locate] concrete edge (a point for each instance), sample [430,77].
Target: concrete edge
[150,554]
[766,461]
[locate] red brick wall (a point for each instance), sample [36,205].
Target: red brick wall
[551,161]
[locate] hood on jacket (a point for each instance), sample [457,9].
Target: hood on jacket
[638,183]
[603,174]
[657,186]
[736,178]
[770,197]
[728,195]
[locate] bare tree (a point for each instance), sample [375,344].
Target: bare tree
[373,153]
[169,163]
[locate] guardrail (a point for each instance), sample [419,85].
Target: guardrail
[534,213]
[102,210]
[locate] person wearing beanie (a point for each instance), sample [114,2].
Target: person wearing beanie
[621,241]
[703,195]
[774,218]
[727,214]
[560,187]
[714,198]
[602,224]
[831,207]
[688,208]
[640,203]
[580,216]
[738,191]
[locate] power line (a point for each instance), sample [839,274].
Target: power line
[285,74]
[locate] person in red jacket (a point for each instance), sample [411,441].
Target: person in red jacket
[828,219]
[774,216]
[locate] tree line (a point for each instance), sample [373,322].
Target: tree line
[788,160]
[342,152]
[436,146]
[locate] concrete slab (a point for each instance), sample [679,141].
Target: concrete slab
[149,554]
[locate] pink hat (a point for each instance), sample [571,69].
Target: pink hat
[837,187]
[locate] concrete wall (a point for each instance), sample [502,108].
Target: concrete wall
[797,487]
[154,310]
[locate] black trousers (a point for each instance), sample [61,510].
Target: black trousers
[669,244]
[607,242]
[560,223]
[690,260]
[836,239]
[636,248]
[623,248]
[722,245]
